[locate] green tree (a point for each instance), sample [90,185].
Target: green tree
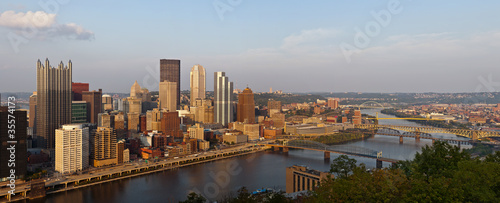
[495,157]
[342,166]
[194,198]
[438,160]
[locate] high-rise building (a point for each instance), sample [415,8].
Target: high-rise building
[197,132]
[94,100]
[103,150]
[120,121]
[134,105]
[79,112]
[107,103]
[133,121]
[203,111]
[32,113]
[53,101]
[273,107]
[170,71]
[333,103]
[120,147]
[72,148]
[135,90]
[246,106]
[170,124]
[106,120]
[77,89]
[197,83]
[223,92]
[168,96]
[19,142]
[153,120]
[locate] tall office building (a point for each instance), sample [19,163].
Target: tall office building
[32,113]
[223,92]
[103,150]
[77,89]
[170,124]
[94,100]
[246,106]
[197,84]
[79,112]
[273,107]
[53,101]
[170,71]
[72,148]
[107,103]
[168,96]
[19,143]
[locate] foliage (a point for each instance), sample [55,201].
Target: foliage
[440,173]
[244,196]
[340,137]
[342,166]
[480,149]
[194,198]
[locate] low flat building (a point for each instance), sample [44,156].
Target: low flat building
[234,138]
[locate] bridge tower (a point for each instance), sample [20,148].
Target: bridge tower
[474,135]
[417,136]
[327,155]
[400,139]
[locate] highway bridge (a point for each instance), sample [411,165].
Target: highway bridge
[327,149]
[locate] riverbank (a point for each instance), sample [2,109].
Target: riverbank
[433,123]
[133,171]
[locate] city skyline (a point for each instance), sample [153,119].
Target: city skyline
[415,49]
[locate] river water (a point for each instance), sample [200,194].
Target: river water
[216,180]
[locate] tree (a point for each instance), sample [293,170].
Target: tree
[495,157]
[342,165]
[440,159]
[194,198]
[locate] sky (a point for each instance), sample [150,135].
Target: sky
[294,46]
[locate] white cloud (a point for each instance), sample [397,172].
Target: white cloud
[308,36]
[42,25]
[37,19]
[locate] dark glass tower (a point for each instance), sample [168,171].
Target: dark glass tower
[170,71]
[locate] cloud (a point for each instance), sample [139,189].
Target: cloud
[42,25]
[38,19]
[308,36]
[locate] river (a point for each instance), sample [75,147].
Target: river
[216,180]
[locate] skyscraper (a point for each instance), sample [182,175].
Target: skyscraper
[170,71]
[94,100]
[246,106]
[107,103]
[32,113]
[168,96]
[103,150]
[170,124]
[19,142]
[77,89]
[223,92]
[53,100]
[273,107]
[72,148]
[197,84]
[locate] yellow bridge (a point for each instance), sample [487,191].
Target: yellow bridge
[472,134]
